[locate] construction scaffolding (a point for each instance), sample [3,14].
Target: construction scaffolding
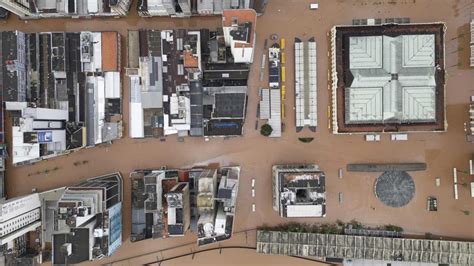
[365,247]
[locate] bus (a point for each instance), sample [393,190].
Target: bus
[283,74]
[282,43]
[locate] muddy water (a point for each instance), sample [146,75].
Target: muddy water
[256,154]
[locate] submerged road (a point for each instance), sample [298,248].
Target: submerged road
[256,154]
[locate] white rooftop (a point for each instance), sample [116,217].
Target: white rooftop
[306,84]
[365,52]
[394,78]
[365,104]
[418,50]
[275,113]
[304,210]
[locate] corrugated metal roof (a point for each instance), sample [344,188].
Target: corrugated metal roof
[275,113]
[306,84]
[265,104]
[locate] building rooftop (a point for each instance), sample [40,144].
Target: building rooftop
[389,78]
[88,220]
[408,66]
[200,198]
[110,54]
[365,247]
[239,31]
[179,89]
[299,191]
[270,109]
[90,115]
[306,84]
[229,105]
[190,61]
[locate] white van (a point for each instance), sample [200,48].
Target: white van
[399,137]
[472,189]
[313,6]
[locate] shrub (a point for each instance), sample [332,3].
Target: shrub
[306,140]
[391,227]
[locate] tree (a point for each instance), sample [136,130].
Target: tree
[266,130]
[466,212]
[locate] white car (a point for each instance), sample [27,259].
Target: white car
[372,137]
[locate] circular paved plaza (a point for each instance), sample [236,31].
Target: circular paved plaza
[395,188]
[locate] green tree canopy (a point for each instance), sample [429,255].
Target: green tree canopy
[266,130]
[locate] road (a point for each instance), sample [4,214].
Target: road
[256,154]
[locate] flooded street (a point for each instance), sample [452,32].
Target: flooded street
[256,154]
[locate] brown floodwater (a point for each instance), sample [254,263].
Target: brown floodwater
[256,154]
